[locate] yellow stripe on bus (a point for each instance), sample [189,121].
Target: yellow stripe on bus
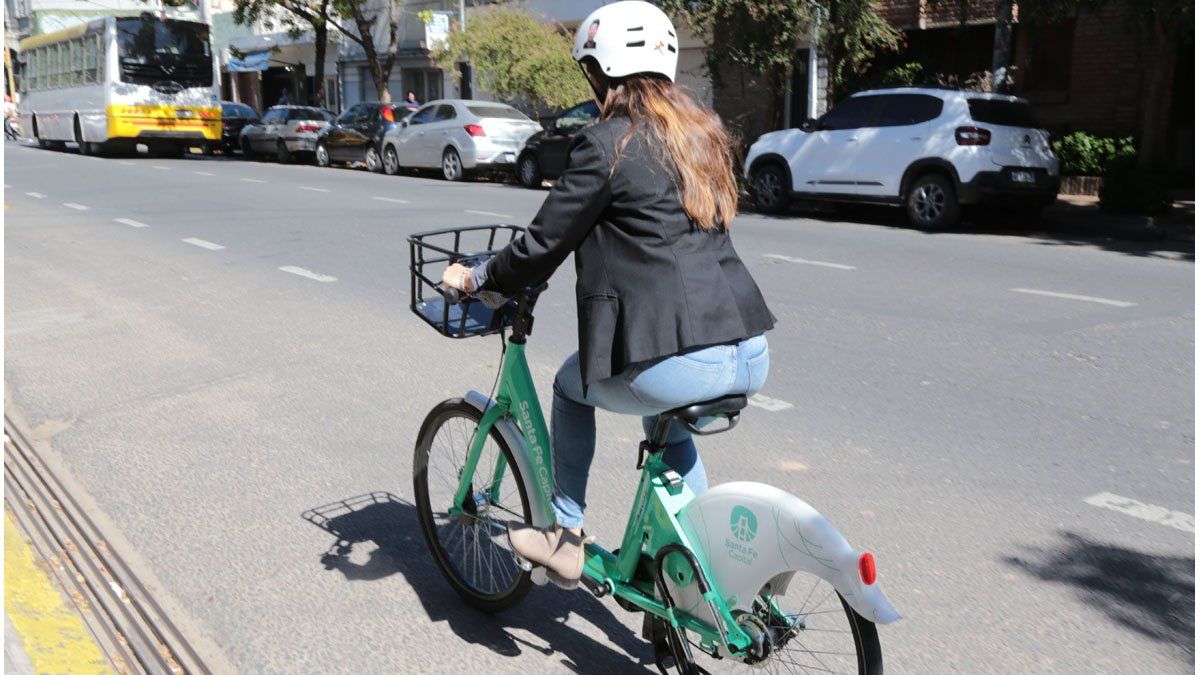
[51,632]
[51,38]
[127,121]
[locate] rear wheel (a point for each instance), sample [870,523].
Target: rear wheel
[528,172]
[452,168]
[812,629]
[322,155]
[391,161]
[372,160]
[247,148]
[931,203]
[770,187]
[471,546]
[282,153]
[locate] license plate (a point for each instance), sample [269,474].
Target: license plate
[1023,177]
[185,113]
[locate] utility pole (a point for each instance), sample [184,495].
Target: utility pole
[464,83]
[814,63]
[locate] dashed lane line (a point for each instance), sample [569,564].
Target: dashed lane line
[125,162]
[36,195]
[307,274]
[203,173]
[1072,296]
[130,222]
[391,200]
[802,261]
[769,404]
[488,213]
[253,180]
[1155,514]
[160,167]
[77,207]
[313,189]
[203,244]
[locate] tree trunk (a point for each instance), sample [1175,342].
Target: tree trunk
[378,75]
[321,34]
[1002,44]
[1153,143]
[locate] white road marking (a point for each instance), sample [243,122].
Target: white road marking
[489,213]
[1072,296]
[160,167]
[313,189]
[36,195]
[309,274]
[130,222]
[818,263]
[1154,514]
[203,244]
[125,162]
[7,186]
[203,173]
[769,404]
[253,180]
[77,207]
[391,199]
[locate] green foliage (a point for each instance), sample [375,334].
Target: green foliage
[1082,154]
[1179,15]
[517,57]
[1129,188]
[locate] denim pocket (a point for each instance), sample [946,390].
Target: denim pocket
[758,368]
[676,381]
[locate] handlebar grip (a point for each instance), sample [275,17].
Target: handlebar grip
[453,295]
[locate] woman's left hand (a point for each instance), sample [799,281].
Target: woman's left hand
[458,276]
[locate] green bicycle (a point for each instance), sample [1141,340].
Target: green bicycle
[744,571]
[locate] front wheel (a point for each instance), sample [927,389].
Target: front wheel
[529,173]
[770,188]
[322,155]
[811,629]
[247,148]
[372,160]
[282,153]
[391,161]
[469,540]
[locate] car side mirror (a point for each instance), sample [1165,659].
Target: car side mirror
[809,124]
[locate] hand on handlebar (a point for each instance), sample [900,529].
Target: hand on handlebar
[458,277]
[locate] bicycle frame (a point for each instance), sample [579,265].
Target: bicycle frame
[652,527]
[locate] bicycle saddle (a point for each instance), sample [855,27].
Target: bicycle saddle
[728,407]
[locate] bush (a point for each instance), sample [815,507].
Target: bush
[1082,154]
[1128,188]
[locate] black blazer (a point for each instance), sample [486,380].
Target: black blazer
[650,283]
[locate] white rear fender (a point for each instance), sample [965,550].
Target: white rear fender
[751,535]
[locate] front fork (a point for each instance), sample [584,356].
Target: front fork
[465,483]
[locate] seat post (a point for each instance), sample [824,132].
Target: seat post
[658,437]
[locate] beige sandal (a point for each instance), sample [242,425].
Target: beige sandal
[558,549]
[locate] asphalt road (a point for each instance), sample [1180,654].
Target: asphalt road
[221,355]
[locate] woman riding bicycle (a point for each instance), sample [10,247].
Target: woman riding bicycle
[668,314]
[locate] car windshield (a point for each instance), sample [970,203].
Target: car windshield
[502,112]
[1004,113]
[294,114]
[152,50]
[237,110]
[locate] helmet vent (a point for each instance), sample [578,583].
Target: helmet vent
[639,43]
[635,28]
[671,33]
[671,48]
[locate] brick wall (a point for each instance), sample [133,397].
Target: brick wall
[910,14]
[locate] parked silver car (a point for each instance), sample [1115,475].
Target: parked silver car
[457,136]
[285,130]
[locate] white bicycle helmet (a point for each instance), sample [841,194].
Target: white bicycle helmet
[627,38]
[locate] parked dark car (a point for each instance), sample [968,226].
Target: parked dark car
[234,116]
[357,135]
[545,153]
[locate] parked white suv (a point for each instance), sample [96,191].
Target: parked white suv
[930,150]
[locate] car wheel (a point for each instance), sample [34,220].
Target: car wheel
[247,148]
[529,173]
[931,202]
[322,155]
[282,153]
[391,161]
[770,188]
[452,168]
[371,159]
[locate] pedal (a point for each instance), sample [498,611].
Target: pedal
[524,564]
[598,588]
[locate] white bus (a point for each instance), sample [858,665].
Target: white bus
[117,82]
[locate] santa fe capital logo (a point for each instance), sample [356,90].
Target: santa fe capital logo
[742,524]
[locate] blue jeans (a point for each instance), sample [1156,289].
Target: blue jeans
[645,389]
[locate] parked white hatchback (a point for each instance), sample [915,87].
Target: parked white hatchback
[930,150]
[457,136]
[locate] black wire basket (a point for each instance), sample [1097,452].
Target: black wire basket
[430,253]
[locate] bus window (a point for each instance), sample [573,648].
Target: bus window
[151,50]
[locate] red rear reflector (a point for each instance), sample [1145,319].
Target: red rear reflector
[308,127]
[387,114]
[972,136]
[474,130]
[866,568]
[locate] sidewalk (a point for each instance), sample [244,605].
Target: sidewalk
[1079,214]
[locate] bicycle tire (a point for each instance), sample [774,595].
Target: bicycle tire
[511,593]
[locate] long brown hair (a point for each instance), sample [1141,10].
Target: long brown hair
[694,141]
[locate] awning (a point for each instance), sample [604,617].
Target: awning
[249,62]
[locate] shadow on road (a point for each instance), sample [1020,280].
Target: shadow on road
[390,524]
[1064,224]
[1151,595]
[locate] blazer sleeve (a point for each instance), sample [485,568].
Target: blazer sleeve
[569,213]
